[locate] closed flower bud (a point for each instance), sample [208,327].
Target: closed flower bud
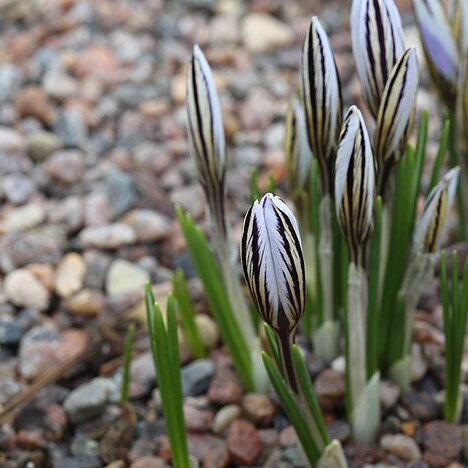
[378,42]
[439,47]
[459,21]
[396,109]
[355,183]
[273,264]
[321,92]
[432,219]
[206,133]
[462,109]
[296,147]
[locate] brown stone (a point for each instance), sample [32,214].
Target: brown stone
[258,408]
[225,388]
[442,438]
[149,462]
[244,443]
[197,420]
[33,102]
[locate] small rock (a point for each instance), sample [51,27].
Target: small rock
[190,198]
[10,140]
[443,438]
[208,330]
[418,363]
[89,400]
[70,275]
[87,302]
[121,193]
[330,388]
[243,442]
[110,236]
[59,85]
[339,429]
[33,102]
[401,446]
[41,144]
[264,33]
[18,188]
[10,333]
[25,217]
[225,388]
[83,445]
[422,406]
[38,351]
[11,79]
[258,408]
[224,418]
[149,462]
[31,439]
[148,225]
[23,289]
[196,377]
[65,167]
[71,128]
[288,437]
[98,62]
[125,278]
[197,420]
[389,394]
[142,375]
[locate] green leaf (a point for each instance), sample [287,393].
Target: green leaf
[208,271]
[292,410]
[187,315]
[126,364]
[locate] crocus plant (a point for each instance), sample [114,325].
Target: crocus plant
[350,269]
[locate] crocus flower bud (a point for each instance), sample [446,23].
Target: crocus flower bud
[396,109]
[439,47]
[378,42]
[431,222]
[297,151]
[459,20]
[273,264]
[462,109]
[355,183]
[206,133]
[321,92]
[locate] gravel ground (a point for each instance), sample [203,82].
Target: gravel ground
[93,157]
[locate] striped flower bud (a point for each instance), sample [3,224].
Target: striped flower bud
[459,20]
[431,222]
[273,264]
[206,133]
[378,42]
[297,151]
[355,183]
[396,109]
[321,92]
[439,47]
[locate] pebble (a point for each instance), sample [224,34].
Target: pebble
[110,236]
[11,79]
[23,289]
[10,140]
[225,388]
[124,277]
[71,129]
[70,274]
[90,399]
[149,462]
[65,167]
[243,442]
[38,350]
[389,394]
[88,302]
[264,33]
[25,217]
[330,388]
[41,144]
[121,193]
[422,406]
[403,447]
[18,188]
[196,377]
[59,85]
[442,438]
[10,333]
[224,418]
[98,62]
[419,365]
[208,330]
[149,226]
[33,102]
[258,408]
[197,420]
